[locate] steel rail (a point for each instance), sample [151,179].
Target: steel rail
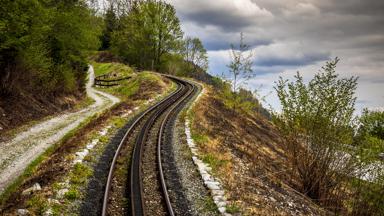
[159,143]
[130,129]
[136,183]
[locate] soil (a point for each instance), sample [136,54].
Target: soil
[19,108]
[251,160]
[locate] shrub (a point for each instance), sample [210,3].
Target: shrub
[316,122]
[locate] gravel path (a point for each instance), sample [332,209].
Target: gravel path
[16,154]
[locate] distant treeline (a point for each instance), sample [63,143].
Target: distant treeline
[148,36]
[43,45]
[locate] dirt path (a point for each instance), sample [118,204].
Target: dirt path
[16,154]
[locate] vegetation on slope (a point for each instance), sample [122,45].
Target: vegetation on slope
[43,47]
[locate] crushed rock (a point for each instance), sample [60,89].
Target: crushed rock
[22,212]
[35,187]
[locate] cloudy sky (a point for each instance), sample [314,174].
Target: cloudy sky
[294,35]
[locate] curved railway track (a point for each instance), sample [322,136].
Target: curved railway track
[150,125]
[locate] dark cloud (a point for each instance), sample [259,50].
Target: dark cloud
[225,21]
[356,7]
[223,44]
[306,59]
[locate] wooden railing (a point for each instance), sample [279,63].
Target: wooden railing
[106,81]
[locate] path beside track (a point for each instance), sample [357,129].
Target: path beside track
[17,153]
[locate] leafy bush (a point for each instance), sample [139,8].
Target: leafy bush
[316,122]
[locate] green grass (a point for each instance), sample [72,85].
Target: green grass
[210,205]
[118,68]
[38,204]
[233,208]
[213,161]
[72,194]
[200,139]
[130,87]
[80,173]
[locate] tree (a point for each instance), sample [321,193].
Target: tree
[43,45]
[111,24]
[240,69]
[195,54]
[316,122]
[147,33]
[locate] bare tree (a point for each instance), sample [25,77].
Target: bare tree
[240,67]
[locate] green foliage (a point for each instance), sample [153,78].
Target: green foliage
[233,208]
[214,161]
[317,124]
[200,138]
[368,197]
[37,204]
[111,24]
[372,123]
[72,194]
[149,31]
[80,173]
[195,55]
[43,44]
[240,69]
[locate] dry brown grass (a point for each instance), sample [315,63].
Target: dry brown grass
[246,154]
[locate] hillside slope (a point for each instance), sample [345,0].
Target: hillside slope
[245,153]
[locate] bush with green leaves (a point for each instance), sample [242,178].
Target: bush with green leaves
[368,189]
[317,125]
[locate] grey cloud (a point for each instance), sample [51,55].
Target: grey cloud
[306,59]
[222,44]
[225,21]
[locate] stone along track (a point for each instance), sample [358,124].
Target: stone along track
[141,188]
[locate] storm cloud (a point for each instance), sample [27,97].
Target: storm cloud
[294,35]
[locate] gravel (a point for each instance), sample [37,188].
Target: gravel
[17,153]
[185,185]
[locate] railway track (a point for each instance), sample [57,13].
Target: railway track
[143,189]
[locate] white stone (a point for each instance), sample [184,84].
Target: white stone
[49,212]
[61,193]
[212,186]
[217,193]
[53,201]
[206,177]
[35,187]
[222,210]
[22,212]
[221,204]
[92,144]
